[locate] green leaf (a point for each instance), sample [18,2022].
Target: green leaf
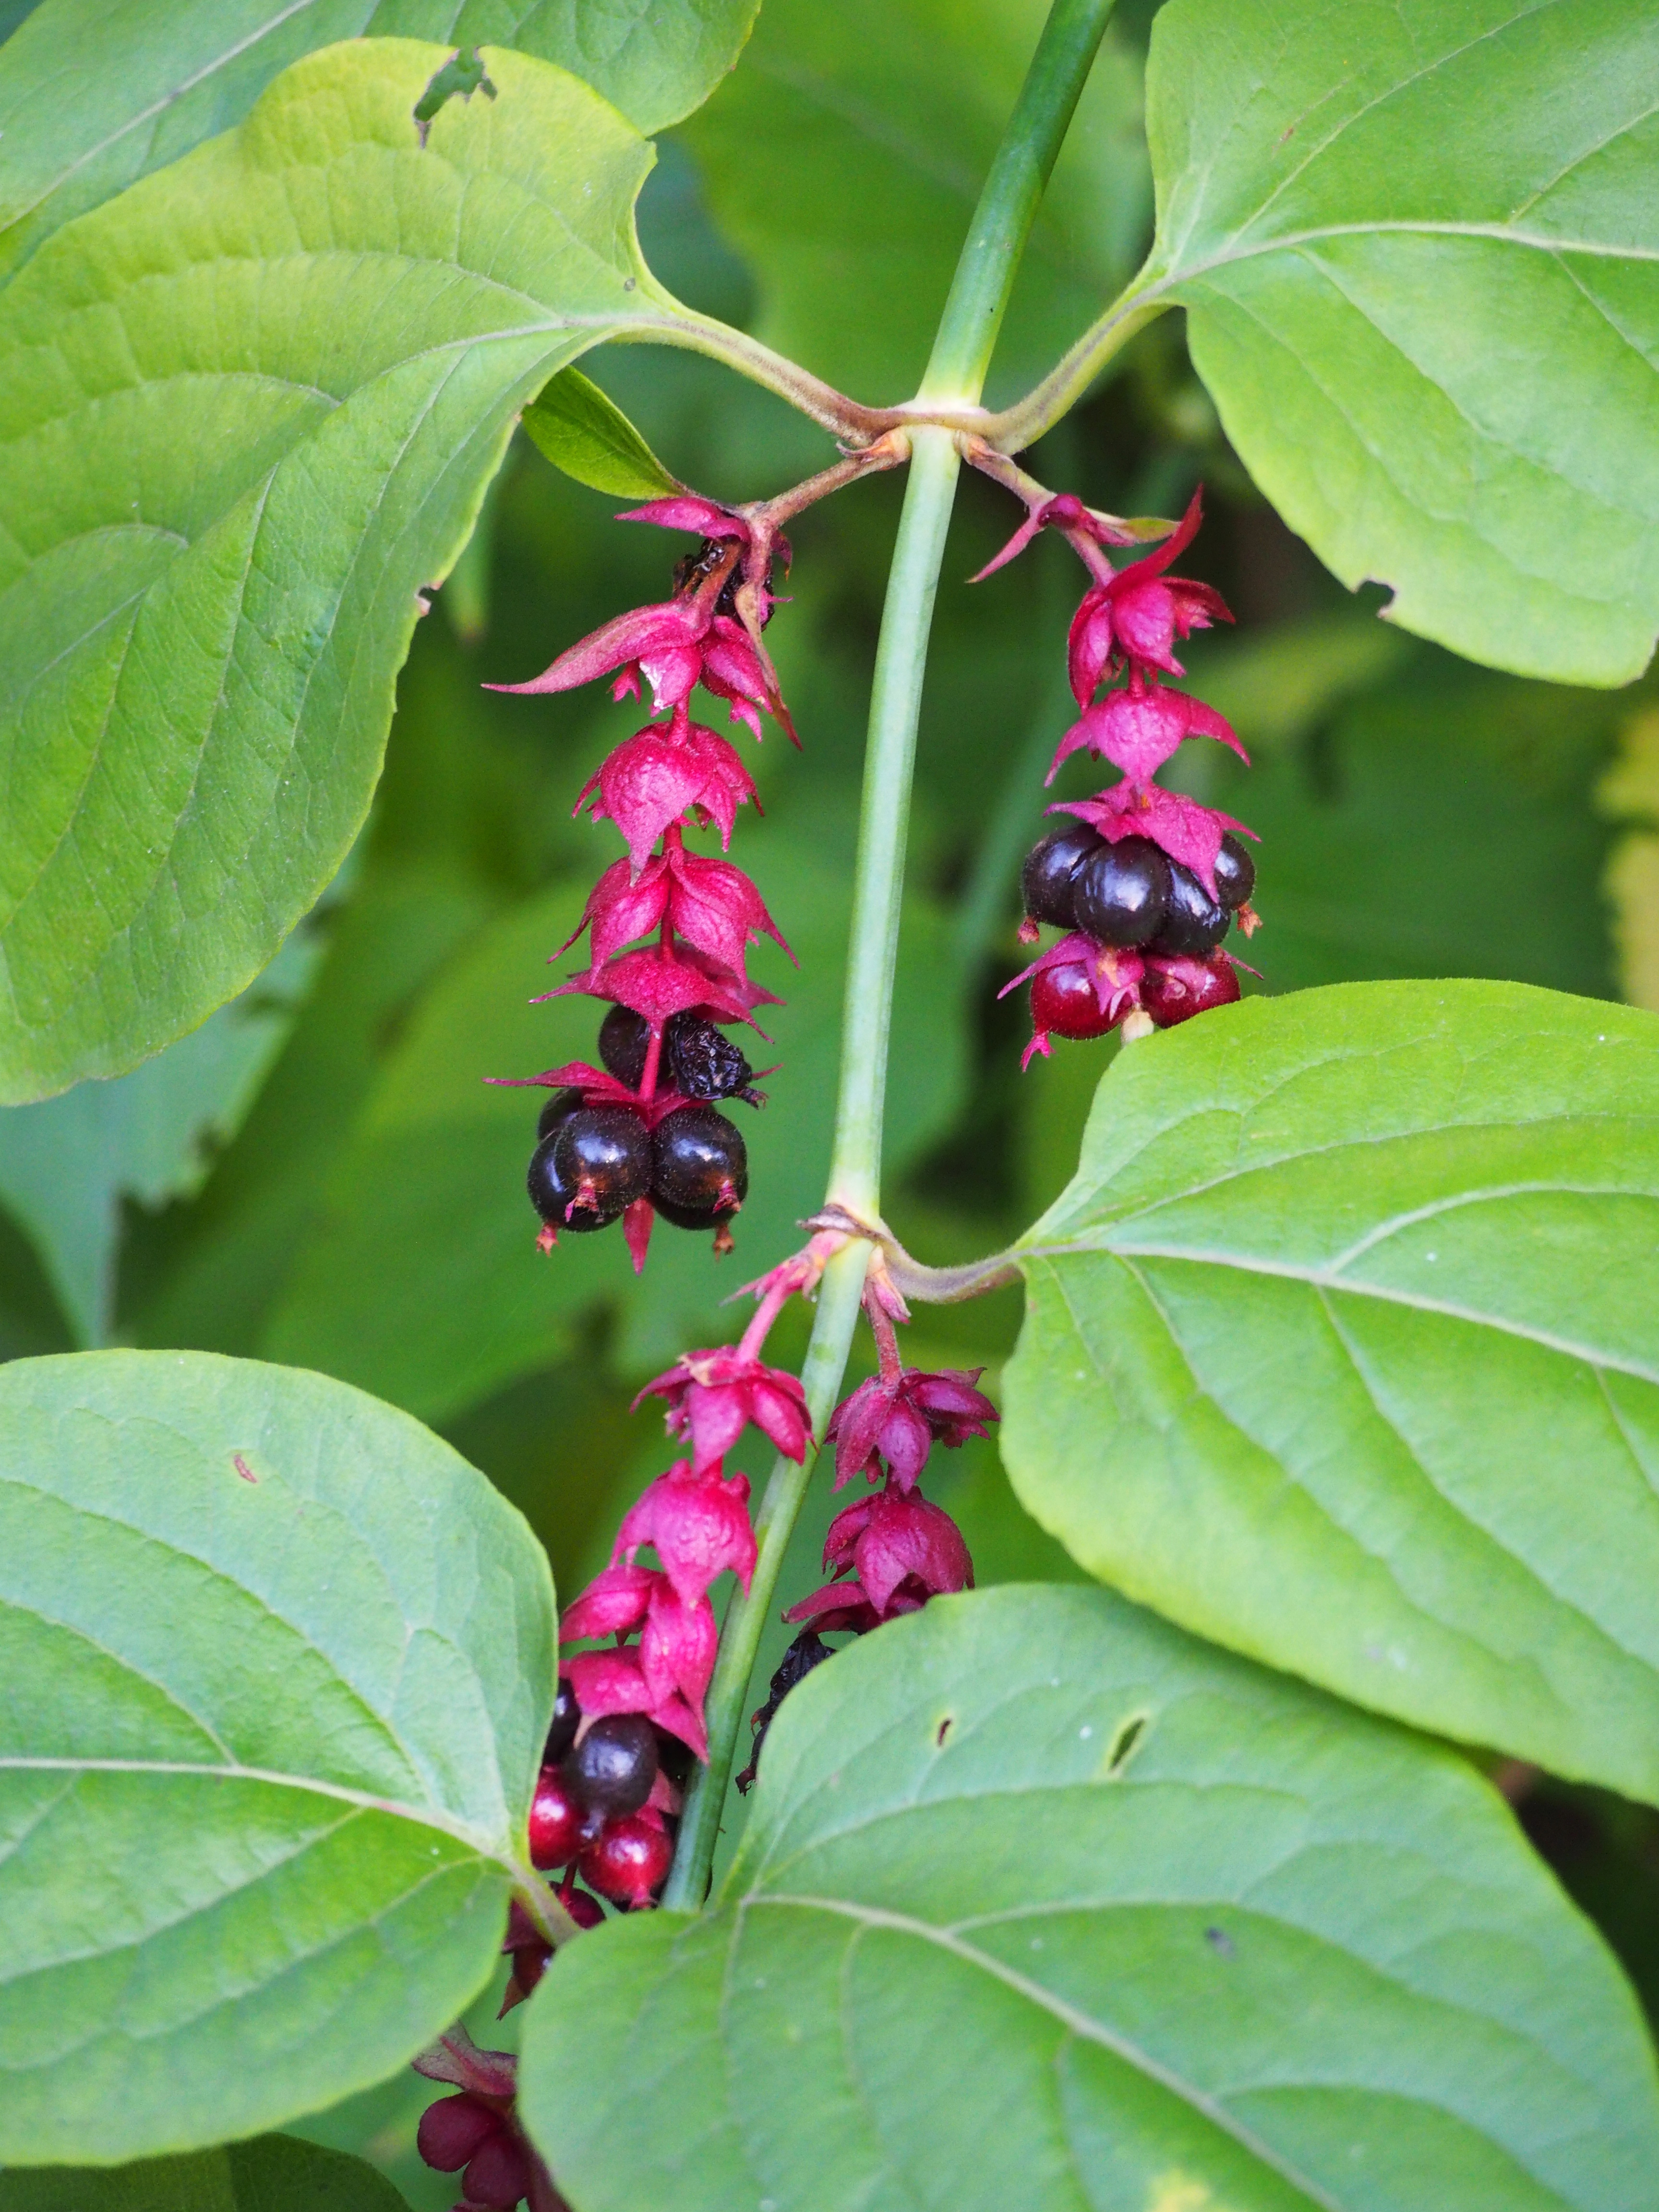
[1419,248]
[272,2173]
[250,411]
[148,84]
[1342,1349]
[844,160]
[1042,1904]
[67,1163]
[289,1664]
[573,425]
[434,1171]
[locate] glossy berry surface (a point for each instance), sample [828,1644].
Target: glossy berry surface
[629,1861]
[703,1061]
[699,1166]
[1173,991]
[604,1154]
[1193,922]
[550,1194]
[453,2131]
[1120,893]
[556,1820]
[1046,879]
[624,1040]
[567,1718]
[1063,1001]
[1234,873]
[497,2176]
[559,1108]
[586,1911]
[612,1769]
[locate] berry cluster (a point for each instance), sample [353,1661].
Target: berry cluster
[475,2134]
[638,1136]
[1148,881]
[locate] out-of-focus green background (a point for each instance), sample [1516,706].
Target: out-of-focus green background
[320,1175]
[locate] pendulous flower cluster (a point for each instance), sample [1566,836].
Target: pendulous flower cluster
[1147,882]
[668,929]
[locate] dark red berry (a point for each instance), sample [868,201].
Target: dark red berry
[704,1062]
[1120,895]
[453,2131]
[559,1108]
[1063,1001]
[567,1718]
[604,1154]
[1174,990]
[629,1862]
[1193,922]
[624,1040]
[1046,879]
[551,1196]
[556,1818]
[586,1911]
[1234,873]
[612,1769]
[497,2176]
[699,1166]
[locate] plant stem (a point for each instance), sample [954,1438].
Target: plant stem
[956,374]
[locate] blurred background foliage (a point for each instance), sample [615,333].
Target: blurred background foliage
[321,1175]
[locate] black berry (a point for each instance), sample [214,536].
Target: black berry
[567,1718]
[674,1758]
[612,1769]
[624,1040]
[559,1108]
[1194,921]
[703,1061]
[1046,880]
[699,1167]
[551,1196]
[603,1155]
[1234,873]
[1120,893]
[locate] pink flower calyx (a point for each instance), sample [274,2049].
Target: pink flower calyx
[698,1524]
[663,774]
[714,1395]
[900,1550]
[1139,729]
[892,1424]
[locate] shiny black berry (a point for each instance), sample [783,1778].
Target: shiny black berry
[704,1063]
[602,1156]
[567,1716]
[699,1167]
[550,1194]
[612,1769]
[624,1040]
[1120,893]
[1194,921]
[1234,873]
[1047,880]
[559,1108]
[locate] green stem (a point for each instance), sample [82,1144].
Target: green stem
[956,375]
[1022,424]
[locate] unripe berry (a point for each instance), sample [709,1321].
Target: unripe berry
[1063,1001]
[1234,873]
[557,1818]
[1174,990]
[699,1166]
[1194,923]
[1122,894]
[567,1718]
[629,1861]
[1047,879]
[586,1911]
[612,1769]
[453,2131]
[497,2176]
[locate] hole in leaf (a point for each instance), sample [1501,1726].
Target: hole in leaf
[1124,1741]
[461,75]
[944,1729]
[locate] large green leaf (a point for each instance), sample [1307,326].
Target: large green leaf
[147,84]
[433,1180]
[1418,245]
[872,127]
[1042,1904]
[282,1666]
[272,2173]
[250,410]
[1342,1348]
